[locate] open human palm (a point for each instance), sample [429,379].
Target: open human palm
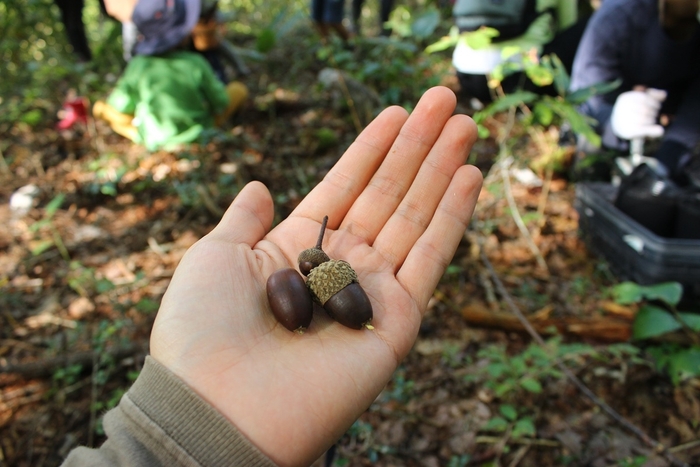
[398,203]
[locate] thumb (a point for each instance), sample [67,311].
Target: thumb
[249,217]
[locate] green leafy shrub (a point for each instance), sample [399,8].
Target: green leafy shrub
[658,316]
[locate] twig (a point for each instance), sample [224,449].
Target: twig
[208,201]
[500,445]
[488,288]
[348,97]
[687,330]
[3,164]
[543,147]
[683,447]
[525,441]
[519,455]
[542,205]
[48,366]
[93,398]
[656,445]
[519,220]
[502,151]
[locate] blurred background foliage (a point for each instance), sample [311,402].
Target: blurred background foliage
[39,67]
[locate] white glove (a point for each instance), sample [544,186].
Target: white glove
[634,114]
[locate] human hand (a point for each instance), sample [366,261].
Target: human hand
[398,201]
[634,114]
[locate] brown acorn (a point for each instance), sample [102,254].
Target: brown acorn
[312,257]
[334,285]
[290,299]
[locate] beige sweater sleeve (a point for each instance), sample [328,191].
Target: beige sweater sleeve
[160,421]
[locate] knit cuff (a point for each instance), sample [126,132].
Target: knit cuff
[194,425]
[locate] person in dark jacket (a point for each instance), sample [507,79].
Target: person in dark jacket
[653,47]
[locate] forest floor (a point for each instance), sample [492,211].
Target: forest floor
[82,272]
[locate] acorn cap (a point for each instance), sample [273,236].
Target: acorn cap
[329,278]
[313,255]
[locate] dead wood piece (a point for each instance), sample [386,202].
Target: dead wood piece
[602,329]
[47,366]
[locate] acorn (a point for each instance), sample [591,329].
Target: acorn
[312,257]
[334,285]
[289,299]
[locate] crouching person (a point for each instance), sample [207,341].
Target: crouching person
[168,94]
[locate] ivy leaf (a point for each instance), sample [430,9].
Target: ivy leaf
[668,292]
[531,384]
[509,412]
[523,427]
[679,363]
[425,24]
[496,424]
[692,320]
[627,293]
[653,321]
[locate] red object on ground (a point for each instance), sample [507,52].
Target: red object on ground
[74,111]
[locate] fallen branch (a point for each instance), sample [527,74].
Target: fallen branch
[47,366]
[605,328]
[654,444]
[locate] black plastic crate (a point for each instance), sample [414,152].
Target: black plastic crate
[634,252]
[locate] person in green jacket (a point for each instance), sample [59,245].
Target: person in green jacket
[225,383]
[168,94]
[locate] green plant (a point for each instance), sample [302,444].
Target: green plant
[82,279]
[107,171]
[540,110]
[459,461]
[394,67]
[45,224]
[361,435]
[400,389]
[419,26]
[657,316]
[544,110]
[637,461]
[510,419]
[67,375]
[39,66]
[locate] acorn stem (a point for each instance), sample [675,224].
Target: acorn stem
[323,231]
